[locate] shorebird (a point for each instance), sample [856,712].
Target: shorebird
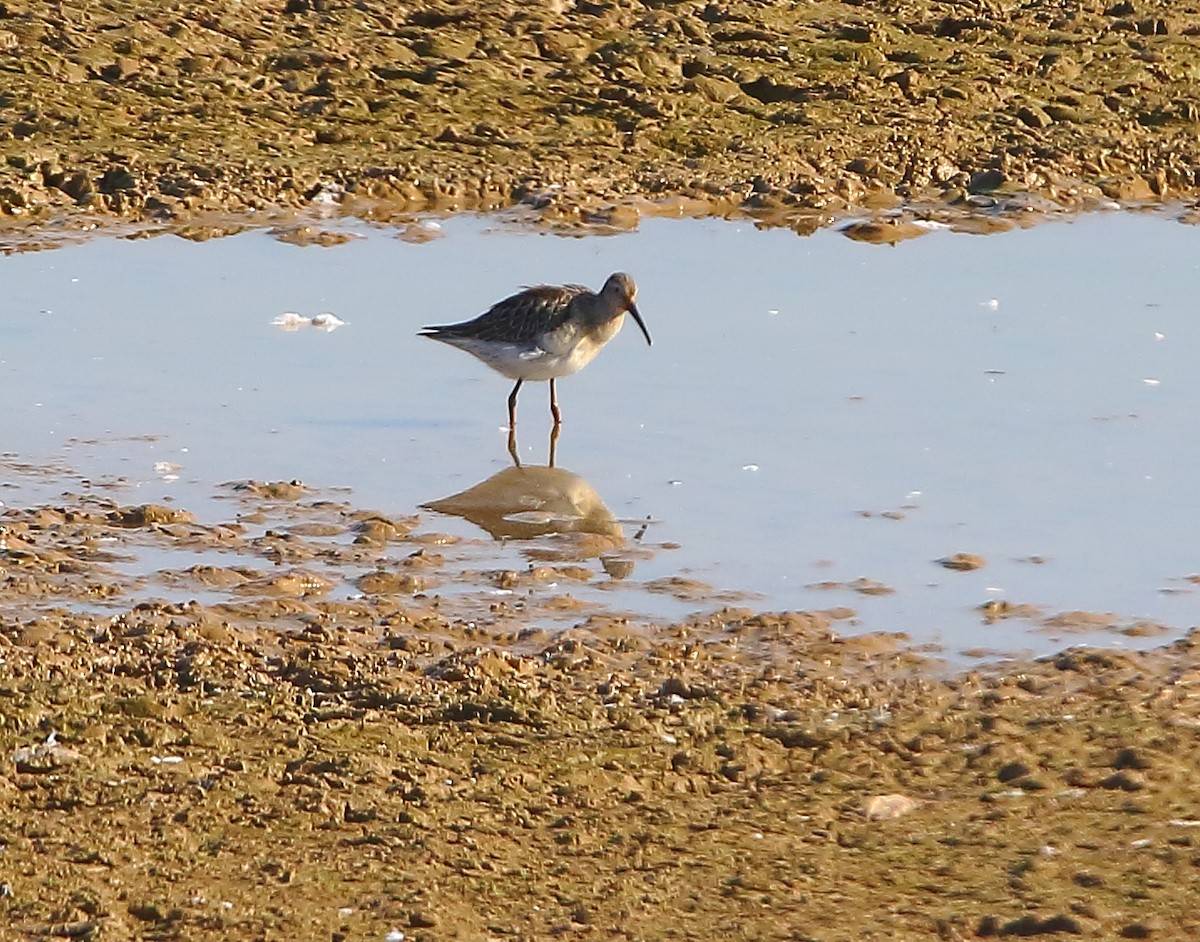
[545,332]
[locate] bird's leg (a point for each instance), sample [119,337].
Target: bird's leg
[554,430]
[554,406]
[512,406]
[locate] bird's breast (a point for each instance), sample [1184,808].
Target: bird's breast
[586,337]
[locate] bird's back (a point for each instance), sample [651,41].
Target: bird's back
[519,319]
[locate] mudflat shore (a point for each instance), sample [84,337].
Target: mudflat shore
[284,760]
[277,759]
[587,110]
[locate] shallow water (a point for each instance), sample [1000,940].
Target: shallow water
[1029,397]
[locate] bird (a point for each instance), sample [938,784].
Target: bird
[544,332]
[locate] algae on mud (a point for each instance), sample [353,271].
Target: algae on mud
[308,767]
[165,110]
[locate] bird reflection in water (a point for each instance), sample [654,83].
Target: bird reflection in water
[526,502]
[514,452]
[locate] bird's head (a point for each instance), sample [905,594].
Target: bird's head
[620,290]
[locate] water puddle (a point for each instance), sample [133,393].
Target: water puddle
[820,424]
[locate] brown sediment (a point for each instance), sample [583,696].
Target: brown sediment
[335,740]
[288,758]
[962,562]
[590,113]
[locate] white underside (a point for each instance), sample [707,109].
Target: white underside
[526,362]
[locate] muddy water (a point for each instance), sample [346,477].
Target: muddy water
[818,422]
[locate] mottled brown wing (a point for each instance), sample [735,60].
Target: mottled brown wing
[520,318]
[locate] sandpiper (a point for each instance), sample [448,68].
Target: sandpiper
[545,332]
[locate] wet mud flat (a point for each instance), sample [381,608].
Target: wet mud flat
[793,111]
[228,743]
[276,760]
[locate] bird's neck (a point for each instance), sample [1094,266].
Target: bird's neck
[604,331]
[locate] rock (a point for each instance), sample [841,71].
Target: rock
[962,562]
[123,68]
[375,532]
[858,32]
[381,582]
[1157,26]
[888,232]
[295,583]
[1133,189]
[78,186]
[986,181]
[909,81]
[872,169]
[43,758]
[674,687]
[769,91]
[887,807]
[1125,781]
[146,912]
[148,515]
[1031,925]
[422,919]
[713,88]
[277,490]
[309,235]
[447,45]
[793,736]
[1012,771]
[620,216]
[617,567]
[1065,114]
[221,577]
[117,179]
[1129,758]
[13,200]
[1034,116]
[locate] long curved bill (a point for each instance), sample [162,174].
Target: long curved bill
[641,323]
